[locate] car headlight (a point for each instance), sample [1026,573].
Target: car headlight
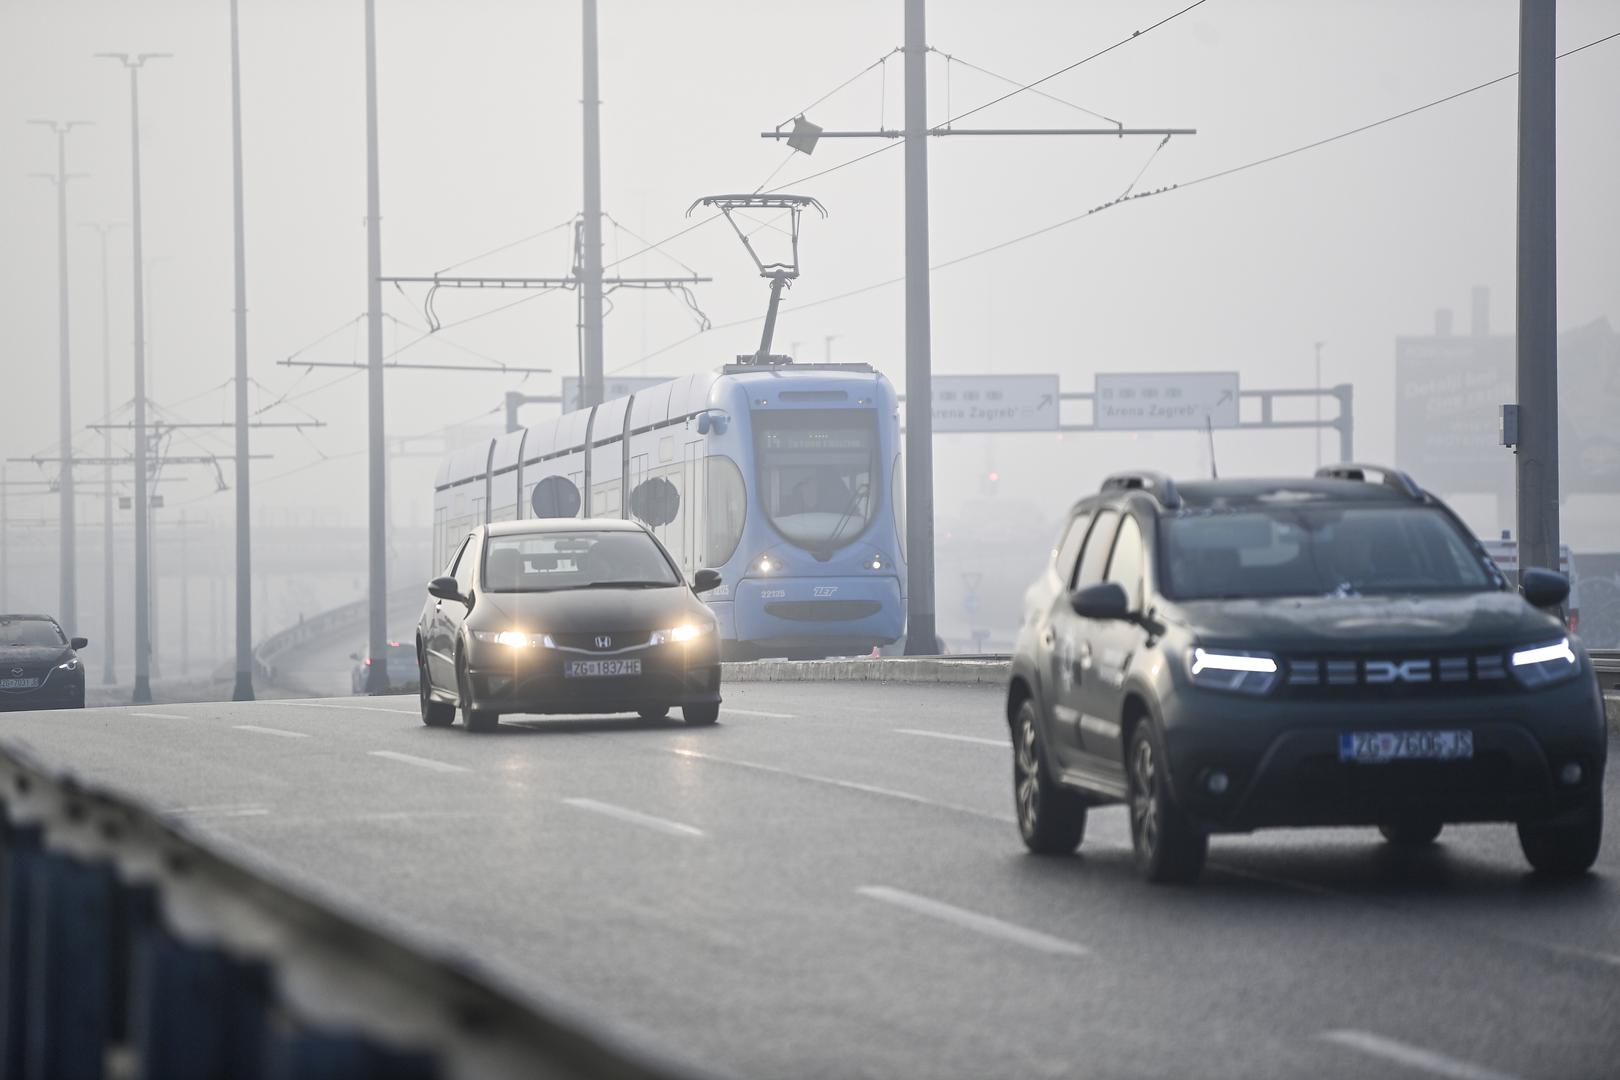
[1239,672]
[1546,664]
[513,639]
[70,665]
[679,635]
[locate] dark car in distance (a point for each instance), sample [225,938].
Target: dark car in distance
[1228,655]
[39,664]
[398,660]
[566,616]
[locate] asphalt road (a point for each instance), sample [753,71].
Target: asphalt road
[830,883]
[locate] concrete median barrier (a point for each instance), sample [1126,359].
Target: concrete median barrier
[133,946]
[985,671]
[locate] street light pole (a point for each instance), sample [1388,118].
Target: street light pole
[591,238]
[109,607]
[376,672]
[1317,434]
[143,680]
[68,602]
[920,632]
[243,690]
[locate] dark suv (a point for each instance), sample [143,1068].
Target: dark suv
[1227,655]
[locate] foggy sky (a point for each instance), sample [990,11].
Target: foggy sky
[1350,244]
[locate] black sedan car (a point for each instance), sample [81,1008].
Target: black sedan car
[1228,655]
[39,664]
[566,616]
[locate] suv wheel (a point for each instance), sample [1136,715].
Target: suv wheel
[434,713]
[1411,832]
[1051,818]
[1168,847]
[1564,848]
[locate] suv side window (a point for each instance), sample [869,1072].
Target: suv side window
[1125,567]
[464,566]
[1068,549]
[1095,555]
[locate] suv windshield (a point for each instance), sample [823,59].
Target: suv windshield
[817,471]
[1317,551]
[30,632]
[541,562]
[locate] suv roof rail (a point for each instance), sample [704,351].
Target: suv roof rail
[1157,484]
[1390,478]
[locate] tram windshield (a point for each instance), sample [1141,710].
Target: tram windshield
[818,473]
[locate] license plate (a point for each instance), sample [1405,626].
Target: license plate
[596,669]
[1376,747]
[18,684]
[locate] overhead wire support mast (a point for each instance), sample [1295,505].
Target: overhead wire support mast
[921,636]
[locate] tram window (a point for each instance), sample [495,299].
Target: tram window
[818,473]
[727,509]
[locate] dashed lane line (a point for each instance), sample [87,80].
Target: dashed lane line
[1412,1057]
[987,925]
[419,762]
[635,817]
[280,732]
[757,712]
[848,785]
[159,716]
[349,708]
[999,744]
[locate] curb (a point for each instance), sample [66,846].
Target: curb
[895,670]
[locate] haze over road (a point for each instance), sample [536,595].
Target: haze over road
[830,883]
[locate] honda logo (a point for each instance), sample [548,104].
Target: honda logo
[604,642]
[1383,672]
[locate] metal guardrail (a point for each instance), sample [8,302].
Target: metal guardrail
[1607,664]
[131,947]
[351,615]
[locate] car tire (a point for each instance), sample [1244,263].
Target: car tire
[1565,848]
[434,713]
[1412,832]
[478,720]
[653,714]
[700,715]
[1169,848]
[1051,818]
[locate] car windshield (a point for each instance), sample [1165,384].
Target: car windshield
[817,469]
[30,632]
[542,562]
[1317,551]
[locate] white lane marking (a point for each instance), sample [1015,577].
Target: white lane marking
[282,732]
[159,716]
[635,817]
[221,811]
[1413,1057]
[346,708]
[756,712]
[848,785]
[999,744]
[972,920]
[420,762]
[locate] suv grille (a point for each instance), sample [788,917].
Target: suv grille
[1396,674]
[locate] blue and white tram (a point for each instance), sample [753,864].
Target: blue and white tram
[785,478]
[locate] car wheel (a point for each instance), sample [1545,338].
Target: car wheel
[1565,848]
[700,715]
[1168,847]
[653,714]
[481,720]
[1051,818]
[1412,832]
[434,713]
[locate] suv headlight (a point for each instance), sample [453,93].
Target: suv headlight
[1546,664]
[512,639]
[679,635]
[1239,672]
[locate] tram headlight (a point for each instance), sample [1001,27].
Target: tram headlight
[766,565]
[877,561]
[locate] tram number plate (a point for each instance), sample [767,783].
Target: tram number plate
[1375,747]
[596,669]
[18,684]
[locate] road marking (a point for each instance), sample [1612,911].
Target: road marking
[1413,1057]
[663,825]
[360,708]
[420,762]
[257,730]
[756,712]
[999,744]
[972,920]
[221,811]
[159,716]
[848,785]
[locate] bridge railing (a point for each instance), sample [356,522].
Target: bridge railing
[352,616]
[131,946]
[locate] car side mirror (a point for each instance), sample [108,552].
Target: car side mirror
[445,589]
[705,580]
[1543,588]
[1105,600]
[79,643]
